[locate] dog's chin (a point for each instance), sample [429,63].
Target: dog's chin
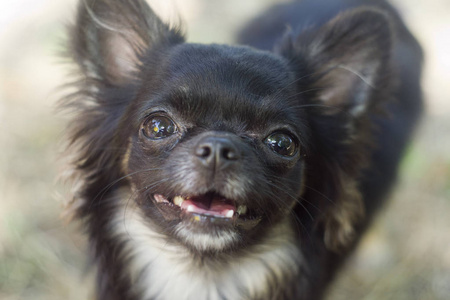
[207,222]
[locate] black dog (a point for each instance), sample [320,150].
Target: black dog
[227,172]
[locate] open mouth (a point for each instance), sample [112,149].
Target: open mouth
[210,207]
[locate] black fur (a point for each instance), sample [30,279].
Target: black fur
[341,83]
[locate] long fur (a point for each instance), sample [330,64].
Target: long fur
[343,81]
[154,263]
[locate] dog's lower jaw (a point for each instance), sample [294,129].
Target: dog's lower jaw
[160,268]
[211,241]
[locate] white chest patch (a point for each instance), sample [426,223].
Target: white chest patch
[164,270]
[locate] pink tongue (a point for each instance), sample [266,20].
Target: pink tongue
[217,207]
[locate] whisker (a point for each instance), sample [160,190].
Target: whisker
[103,191]
[301,227]
[321,194]
[305,91]
[291,196]
[132,196]
[359,75]
[126,176]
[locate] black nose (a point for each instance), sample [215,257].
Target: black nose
[216,152]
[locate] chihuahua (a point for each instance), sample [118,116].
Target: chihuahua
[245,171]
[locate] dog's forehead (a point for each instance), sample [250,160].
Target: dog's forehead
[215,80]
[242,69]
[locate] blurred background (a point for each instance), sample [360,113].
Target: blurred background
[406,255]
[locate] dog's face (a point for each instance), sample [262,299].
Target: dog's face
[216,144]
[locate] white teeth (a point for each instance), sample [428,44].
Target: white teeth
[160,198]
[229,214]
[190,208]
[178,200]
[242,210]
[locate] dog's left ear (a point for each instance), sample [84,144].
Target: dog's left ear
[341,70]
[344,60]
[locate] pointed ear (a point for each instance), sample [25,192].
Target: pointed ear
[343,71]
[111,36]
[345,60]
[109,42]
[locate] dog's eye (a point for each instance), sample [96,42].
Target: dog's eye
[158,127]
[281,143]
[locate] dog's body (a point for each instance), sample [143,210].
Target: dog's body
[220,172]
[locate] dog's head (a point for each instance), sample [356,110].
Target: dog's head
[215,143]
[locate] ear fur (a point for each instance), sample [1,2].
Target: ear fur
[342,68]
[347,57]
[108,41]
[110,37]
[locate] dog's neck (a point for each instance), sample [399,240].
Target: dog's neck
[162,269]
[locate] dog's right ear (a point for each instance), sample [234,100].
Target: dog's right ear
[111,36]
[109,42]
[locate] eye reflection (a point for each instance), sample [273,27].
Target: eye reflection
[281,143]
[158,127]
